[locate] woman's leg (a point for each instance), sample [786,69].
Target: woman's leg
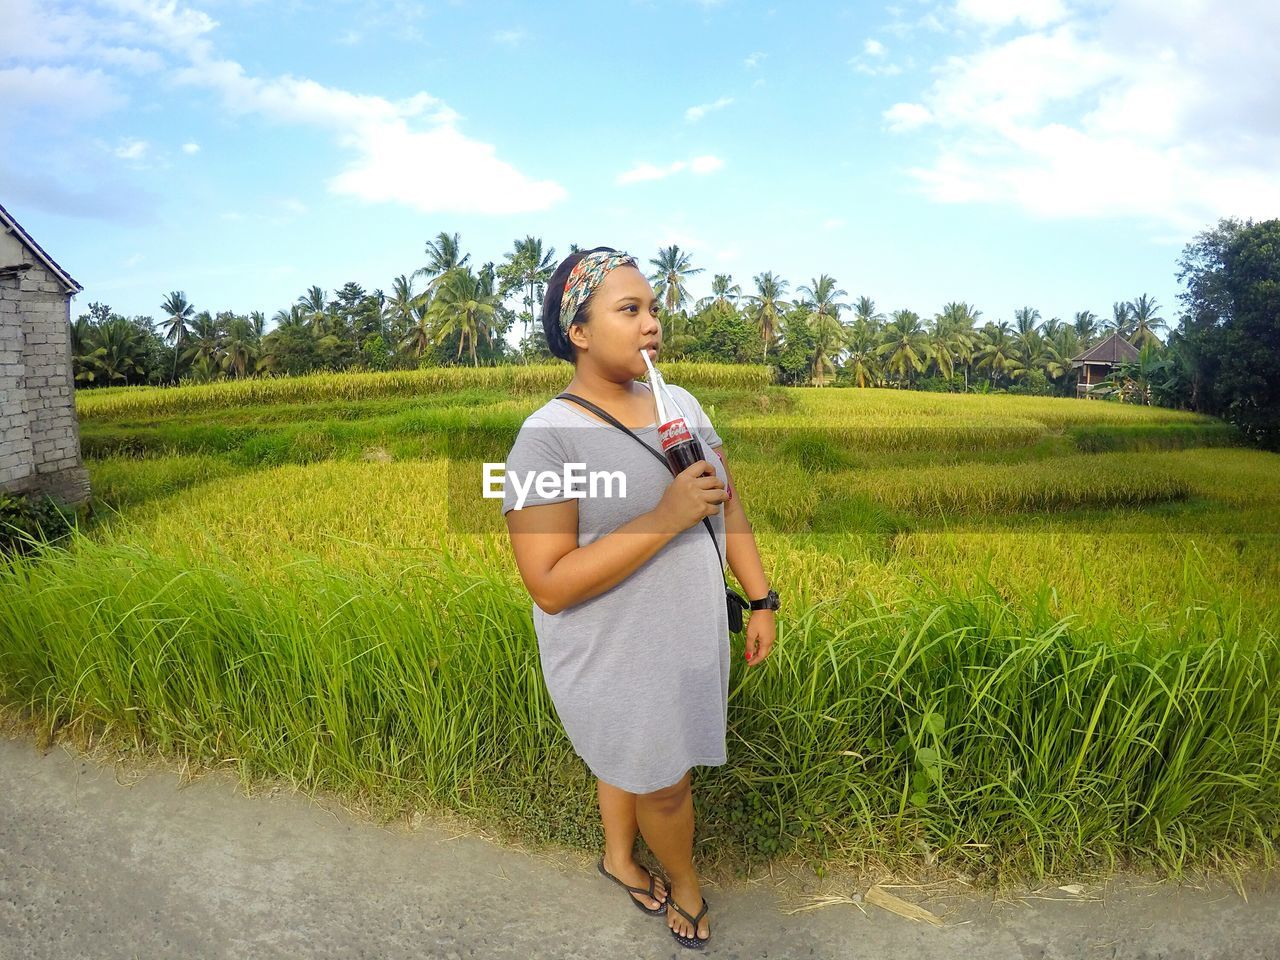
[618,813]
[665,817]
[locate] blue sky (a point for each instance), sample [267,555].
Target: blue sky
[1050,153]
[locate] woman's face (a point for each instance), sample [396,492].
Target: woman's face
[622,318]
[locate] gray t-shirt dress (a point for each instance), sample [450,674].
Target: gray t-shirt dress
[639,674]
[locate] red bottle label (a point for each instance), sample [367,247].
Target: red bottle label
[673,432]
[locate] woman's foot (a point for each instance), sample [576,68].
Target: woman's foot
[689,897]
[634,875]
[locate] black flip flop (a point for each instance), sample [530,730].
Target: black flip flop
[662,907]
[695,942]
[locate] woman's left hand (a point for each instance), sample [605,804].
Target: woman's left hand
[762,630]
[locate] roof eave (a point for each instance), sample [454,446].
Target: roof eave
[14,227]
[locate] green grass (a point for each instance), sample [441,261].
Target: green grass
[1024,636]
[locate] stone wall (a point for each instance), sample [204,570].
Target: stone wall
[39,433]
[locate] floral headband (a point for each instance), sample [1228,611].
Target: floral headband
[585,277]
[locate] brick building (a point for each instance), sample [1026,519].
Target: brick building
[39,433]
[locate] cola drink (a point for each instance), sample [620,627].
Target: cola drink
[679,445]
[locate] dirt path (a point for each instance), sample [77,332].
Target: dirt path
[99,862]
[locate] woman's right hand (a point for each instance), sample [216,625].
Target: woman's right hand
[692,496]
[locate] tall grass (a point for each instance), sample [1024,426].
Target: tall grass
[301,579]
[118,402]
[991,736]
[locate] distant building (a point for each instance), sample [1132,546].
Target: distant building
[1097,363]
[39,433]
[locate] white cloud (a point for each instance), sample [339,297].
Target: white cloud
[40,32]
[71,91]
[648,171]
[876,66]
[907,116]
[1145,110]
[833,223]
[876,70]
[132,58]
[131,149]
[903,29]
[510,38]
[674,236]
[1002,13]
[190,148]
[753,59]
[694,114]
[403,151]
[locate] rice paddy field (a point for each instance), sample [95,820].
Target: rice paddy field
[1021,637]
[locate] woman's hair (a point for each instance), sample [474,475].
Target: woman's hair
[557,340]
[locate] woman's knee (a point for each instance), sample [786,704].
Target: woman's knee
[671,796]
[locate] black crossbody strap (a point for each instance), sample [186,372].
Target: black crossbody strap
[605,415]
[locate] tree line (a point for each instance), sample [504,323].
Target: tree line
[450,311]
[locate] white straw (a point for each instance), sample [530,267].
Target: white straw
[648,363]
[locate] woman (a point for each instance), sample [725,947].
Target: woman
[628,588]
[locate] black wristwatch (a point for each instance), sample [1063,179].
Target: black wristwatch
[768,602]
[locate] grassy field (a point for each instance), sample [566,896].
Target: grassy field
[1022,636]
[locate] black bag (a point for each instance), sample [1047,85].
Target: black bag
[735,602]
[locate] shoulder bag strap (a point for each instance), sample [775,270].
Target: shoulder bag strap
[604,414]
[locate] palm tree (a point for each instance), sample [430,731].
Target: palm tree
[371,315]
[1027,338]
[906,345]
[819,299]
[529,268]
[442,256]
[1145,321]
[1120,318]
[673,269]
[828,340]
[465,304]
[941,346]
[239,348]
[295,317]
[998,353]
[417,331]
[119,351]
[766,306]
[724,294]
[678,335]
[861,365]
[177,311]
[405,308]
[206,340]
[1086,325]
[864,311]
[1060,346]
[313,304]
[958,320]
